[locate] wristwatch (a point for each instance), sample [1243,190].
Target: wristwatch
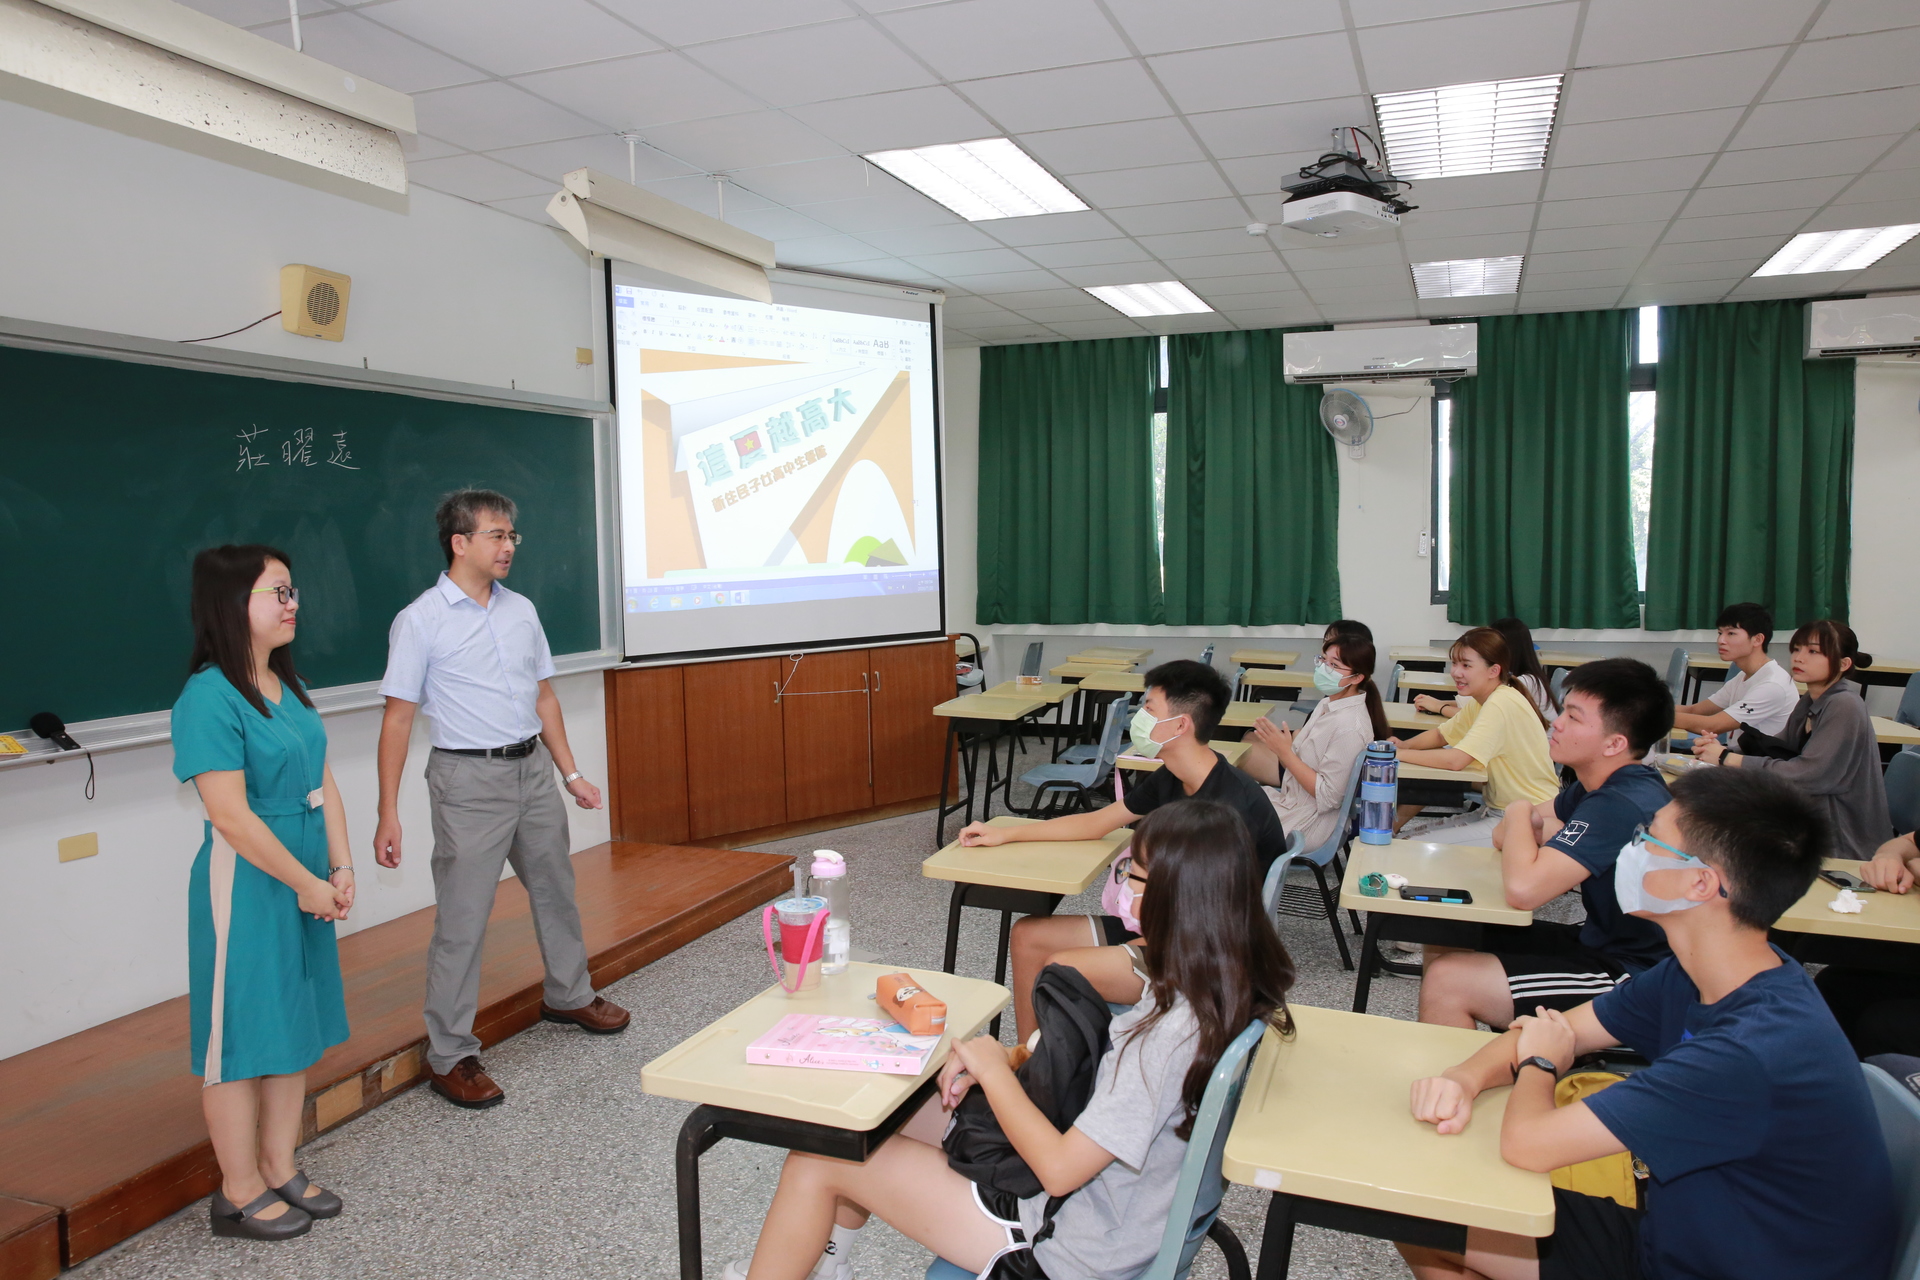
[1537,1060]
[568,780]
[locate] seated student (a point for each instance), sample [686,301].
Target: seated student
[1498,727]
[1526,669]
[1306,773]
[1879,1011]
[1754,1119]
[1840,764]
[1216,965]
[1182,707]
[1347,626]
[1758,691]
[1616,709]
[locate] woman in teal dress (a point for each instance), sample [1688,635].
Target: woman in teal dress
[272,875]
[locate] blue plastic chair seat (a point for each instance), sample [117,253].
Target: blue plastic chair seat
[1082,753]
[944,1270]
[1079,775]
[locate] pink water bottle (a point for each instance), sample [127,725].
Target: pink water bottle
[802,925]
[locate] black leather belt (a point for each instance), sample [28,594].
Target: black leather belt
[517,751]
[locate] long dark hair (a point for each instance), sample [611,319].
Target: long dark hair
[223,577]
[1492,648]
[1356,653]
[1835,640]
[1208,940]
[1526,662]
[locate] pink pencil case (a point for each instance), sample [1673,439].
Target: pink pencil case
[829,1043]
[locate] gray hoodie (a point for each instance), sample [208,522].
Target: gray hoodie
[1839,766]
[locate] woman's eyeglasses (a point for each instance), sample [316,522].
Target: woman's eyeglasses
[287,595]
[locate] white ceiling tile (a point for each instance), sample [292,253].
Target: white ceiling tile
[252,13]
[1289,129]
[1435,195]
[1603,210]
[1568,299]
[701,192]
[1277,317]
[1904,156]
[890,121]
[1756,197]
[813,64]
[1845,217]
[1373,13]
[677,22]
[1739,249]
[1300,69]
[1686,134]
[1450,248]
[1065,98]
[1615,279]
[1003,333]
[1625,235]
[1161,184]
[1791,286]
[972,262]
[421,146]
[1848,115]
[1674,295]
[1469,222]
[1193,244]
[1587,259]
[977,38]
[1114,273]
[1683,272]
[776,224]
[997,282]
[353,44]
[816,250]
[1340,296]
[1628,30]
[1092,310]
[913,242]
[1384,274]
[1183,215]
[1482,46]
[1380,253]
[1096,148]
[552,160]
[1238,302]
[490,115]
[1848,17]
[1086,253]
[1268,273]
[1227,286]
[1118,327]
[1159,27]
[897,207]
[1051,228]
[1025,300]
[529,208]
[1446,308]
[1899,270]
[1729,226]
[1254,175]
[1674,173]
[968,310]
[743,142]
[1807,160]
[477,178]
[507,37]
[1663,88]
[1887,184]
[813,181]
[637,93]
[1885,60]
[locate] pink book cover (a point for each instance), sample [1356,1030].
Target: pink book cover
[842,1044]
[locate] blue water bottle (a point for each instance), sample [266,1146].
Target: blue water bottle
[1379,793]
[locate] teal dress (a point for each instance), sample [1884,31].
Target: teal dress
[265,976]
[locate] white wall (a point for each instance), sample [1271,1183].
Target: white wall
[109,232]
[1886,484]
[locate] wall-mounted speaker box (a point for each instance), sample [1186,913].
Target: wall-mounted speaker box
[313,302]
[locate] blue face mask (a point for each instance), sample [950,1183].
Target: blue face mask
[1326,679]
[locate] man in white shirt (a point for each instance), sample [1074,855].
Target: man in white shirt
[1758,692]
[472,656]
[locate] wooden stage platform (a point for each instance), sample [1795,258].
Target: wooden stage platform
[101,1133]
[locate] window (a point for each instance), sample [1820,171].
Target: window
[1441,547]
[1160,467]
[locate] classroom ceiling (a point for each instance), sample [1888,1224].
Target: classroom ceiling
[1694,137]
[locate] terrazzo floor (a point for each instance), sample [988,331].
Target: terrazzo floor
[573,1176]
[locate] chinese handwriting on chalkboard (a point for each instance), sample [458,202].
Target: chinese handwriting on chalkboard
[342,456]
[298,452]
[248,458]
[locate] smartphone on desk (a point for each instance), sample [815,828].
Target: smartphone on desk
[1422,893]
[1846,880]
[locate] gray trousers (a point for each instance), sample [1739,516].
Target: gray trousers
[487,813]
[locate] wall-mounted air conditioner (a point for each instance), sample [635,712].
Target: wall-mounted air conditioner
[1864,327]
[1445,351]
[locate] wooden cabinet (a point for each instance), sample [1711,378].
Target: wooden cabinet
[706,749]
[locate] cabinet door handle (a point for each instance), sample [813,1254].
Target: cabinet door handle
[876,682]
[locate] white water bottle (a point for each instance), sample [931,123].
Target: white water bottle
[829,876]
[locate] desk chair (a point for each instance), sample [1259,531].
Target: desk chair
[1899,1113]
[1392,691]
[1195,1213]
[1902,781]
[1677,675]
[1069,787]
[976,673]
[1909,711]
[1273,894]
[1206,656]
[1558,686]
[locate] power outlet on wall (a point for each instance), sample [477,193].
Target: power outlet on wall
[74,848]
[1423,545]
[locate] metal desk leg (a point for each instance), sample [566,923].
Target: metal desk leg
[1000,964]
[1276,1239]
[954,906]
[946,772]
[697,1133]
[1363,980]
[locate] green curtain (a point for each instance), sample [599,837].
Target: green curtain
[1542,519]
[1253,490]
[1752,468]
[1066,482]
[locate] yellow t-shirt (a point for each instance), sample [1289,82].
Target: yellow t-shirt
[1507,737]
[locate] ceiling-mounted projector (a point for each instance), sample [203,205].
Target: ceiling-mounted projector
[1343,195]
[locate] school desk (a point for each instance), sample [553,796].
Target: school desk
[1438,683]
[1029,877]
[1229,751]
[1254,679]
[1890,672]
[1405,718]
[1475,868]
[1552,658]
[1885,936]
[1118,651]
[1074,672]
[1263,658]
[1419,658]
[842,1114]
[1241,715]
[1325,1125]
[976,723]
[1086,659]
[1098,690]
[1063,728]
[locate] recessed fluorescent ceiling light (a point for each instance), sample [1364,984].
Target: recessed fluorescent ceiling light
[1836,250]
[1465,277]
[990,178]
[1494,127]
[1167,298]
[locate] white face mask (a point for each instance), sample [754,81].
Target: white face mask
[1630,872]
[1141,729]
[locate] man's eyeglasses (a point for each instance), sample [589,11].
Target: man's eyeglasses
[288,595]
[1640,836]
[498,536]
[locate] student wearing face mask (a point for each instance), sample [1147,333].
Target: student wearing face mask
[1182,707]
[1305,773]
[1754,1122]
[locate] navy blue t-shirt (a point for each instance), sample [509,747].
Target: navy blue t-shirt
[1757,1127]
[1597,824]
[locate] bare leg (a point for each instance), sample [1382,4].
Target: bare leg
[232,1110]
[1405,814]
[282,1100]
[1109,970]
[1463,988]
[907,1183]
[1260,764]
[1491,1255]
[1035,939]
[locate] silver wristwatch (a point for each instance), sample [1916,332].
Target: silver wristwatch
[568,780]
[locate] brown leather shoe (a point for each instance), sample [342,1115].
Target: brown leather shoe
[467,1085]
[602,1017]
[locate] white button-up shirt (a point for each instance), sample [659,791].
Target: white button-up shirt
[475,671]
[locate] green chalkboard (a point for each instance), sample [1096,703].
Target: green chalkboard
[113,474]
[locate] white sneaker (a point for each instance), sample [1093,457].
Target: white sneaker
[828,1268]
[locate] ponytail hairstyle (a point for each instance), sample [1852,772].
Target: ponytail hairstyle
[1492,648]
[1357,655]
[1208,941]
[1834,639]
[1525,661]
[223,579]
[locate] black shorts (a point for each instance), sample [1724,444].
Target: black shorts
[1114,930]
[1547,965]
[1593,1238]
